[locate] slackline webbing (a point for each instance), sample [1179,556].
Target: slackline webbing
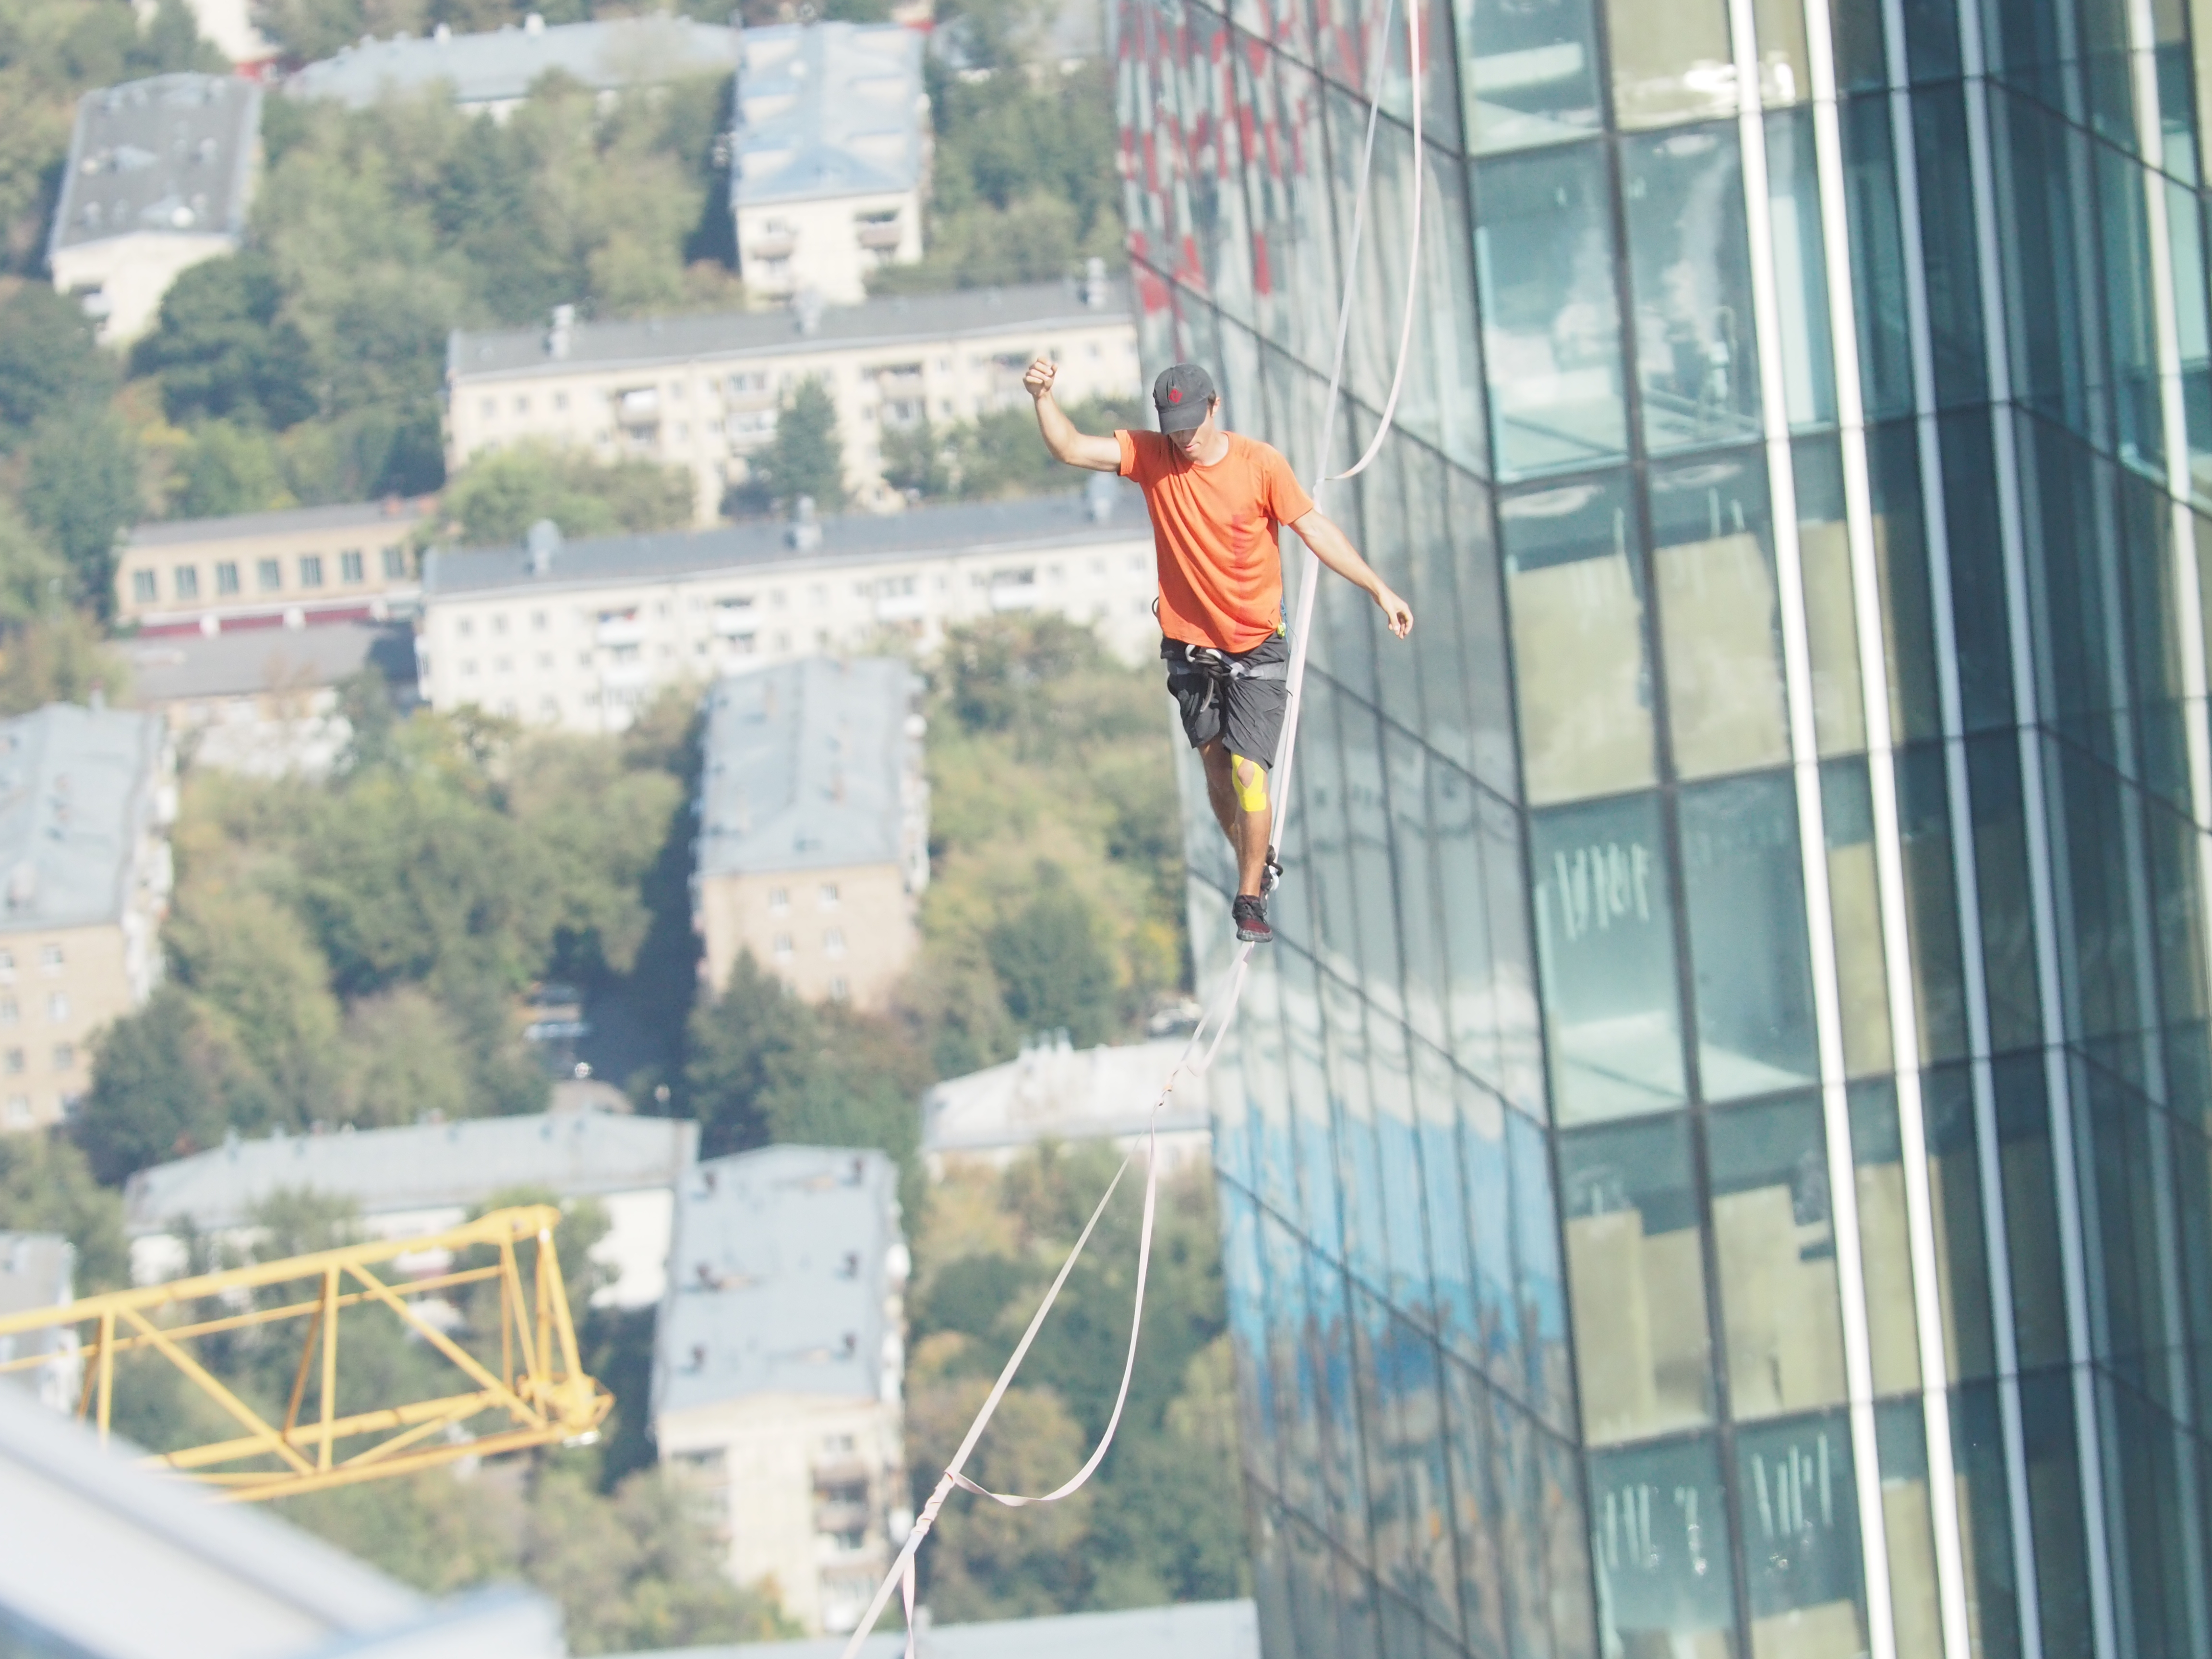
[1214,1024]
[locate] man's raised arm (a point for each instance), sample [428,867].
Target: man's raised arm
[1060,437]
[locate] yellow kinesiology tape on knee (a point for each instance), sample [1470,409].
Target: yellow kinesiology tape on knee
[1252,794]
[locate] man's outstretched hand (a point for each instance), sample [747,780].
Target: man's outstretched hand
[1038,379]
[1398,613]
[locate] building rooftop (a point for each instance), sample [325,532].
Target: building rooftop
[172,155]
[501,66]
[827,109]
[399,514]
[1053,1092]
[814,764]
[779,1269]
[900,320]
[240,661]
[427,1166]
[75,787]
[1115,513]
[1190,1630]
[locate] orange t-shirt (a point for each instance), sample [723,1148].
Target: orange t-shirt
[1214,529]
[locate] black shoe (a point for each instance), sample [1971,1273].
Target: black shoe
[1250,915]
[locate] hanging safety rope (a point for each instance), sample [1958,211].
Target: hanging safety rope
[1217,1019]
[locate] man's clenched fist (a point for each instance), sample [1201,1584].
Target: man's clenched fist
[1038,380]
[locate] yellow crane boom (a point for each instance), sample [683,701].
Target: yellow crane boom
[540,1385]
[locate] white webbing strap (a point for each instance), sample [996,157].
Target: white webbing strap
[900,1577]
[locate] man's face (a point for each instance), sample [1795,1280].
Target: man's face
[1199,438]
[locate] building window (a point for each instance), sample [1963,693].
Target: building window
[225,576]
[829,895]
[14,1062]
[838,990]
[561,401]
[537,621]
[57,1008]
[51,959]
[465,628]
[269,575]
[395,562]
[311,570]
[350,566]
[186,577]
[141,587]
[783,947]
[499,623]
[7,965]
[489,409]
[19,1110]
[9,1013]
[522,405]
[468,665]
[64,1056]
[833,941]
[779,900]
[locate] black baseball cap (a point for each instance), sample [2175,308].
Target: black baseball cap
[1182,395]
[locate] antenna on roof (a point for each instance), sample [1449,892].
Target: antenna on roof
[541,543]
[805,530]
[806,306]
[563,333]
[1094,282]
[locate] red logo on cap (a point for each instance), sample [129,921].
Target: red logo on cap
[1175,394]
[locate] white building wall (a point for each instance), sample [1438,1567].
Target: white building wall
[122,279]
[791,247]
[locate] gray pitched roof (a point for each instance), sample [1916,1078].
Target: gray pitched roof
[778,1270]
[398,515]
[904,320]
[1051,1091]
[427,1166]
[827,109]
[1038,523]
[804,766]
[77,785]
[502,65]
[240,661]
[173,156]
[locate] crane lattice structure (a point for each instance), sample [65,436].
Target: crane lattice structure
[540,1386]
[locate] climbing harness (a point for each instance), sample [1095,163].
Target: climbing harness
[1213,1026]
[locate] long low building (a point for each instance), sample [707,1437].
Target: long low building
[1054,1092]
[703,393]
[303,564]
[581,634]
[426,1176]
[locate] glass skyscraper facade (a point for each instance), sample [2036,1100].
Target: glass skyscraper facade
[1715,1162]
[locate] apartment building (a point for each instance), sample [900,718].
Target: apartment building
[491,72]
[581,634]
[829,157]
[779,1370]
[304,565]
[87,796]
[813,826]
[159,175]
[703,393]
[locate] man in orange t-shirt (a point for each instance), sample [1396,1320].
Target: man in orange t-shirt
[1218,501]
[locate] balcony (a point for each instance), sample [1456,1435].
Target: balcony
[626,675]
[1014,590]
[736,621]
[771,245]
[901,607]
[880,235]
[620,629]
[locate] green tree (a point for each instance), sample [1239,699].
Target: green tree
[242,953]
[81,490]
[46,1186]
[60,657]
[807,456]
[734,1044]
[49,362]
[230,468]
[33,583]
[984,1561]
[1052,968]
[405,1057]
[223,352]
[498,497]
[166,1081]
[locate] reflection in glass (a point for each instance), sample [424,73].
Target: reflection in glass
[1578,607]
[1884,1243]
[1531,77]
[1551,318]
[1785,74]
[1659,1535]
[2030,1210]
[1642,1352]
[1605,931]
[1801,273]
[1831,628]
[1977,1456]
[1776,1245]
[1855,902]
[1908,1526]
[1800,1544]
[1689,261]
[1745,895]
[1670,62]
[1713,564]
[1931,903]
[1900,551]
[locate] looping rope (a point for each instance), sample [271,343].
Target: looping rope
[901,1575]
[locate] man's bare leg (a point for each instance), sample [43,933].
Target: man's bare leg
[1237,789]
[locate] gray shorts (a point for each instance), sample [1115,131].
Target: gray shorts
[1238,697]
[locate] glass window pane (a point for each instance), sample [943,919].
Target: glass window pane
[1605,935]
[1900,552]
[1713,565]
[1831,628]
[1801,273]
[1551,317]
[1785,74]
[1670,62]
[1801,1542]
[1978,1458]
[1908,1527]
[1775,1242]
[1585,690]
[1954,1183]
[1541,1294]
[1885,1245]
[1862,974]
[1931,903]
[1877,248]
[1636,1275]
[1531,76]
[1689,262]
[1659,1530]
[2031,1205]
[1744,890]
